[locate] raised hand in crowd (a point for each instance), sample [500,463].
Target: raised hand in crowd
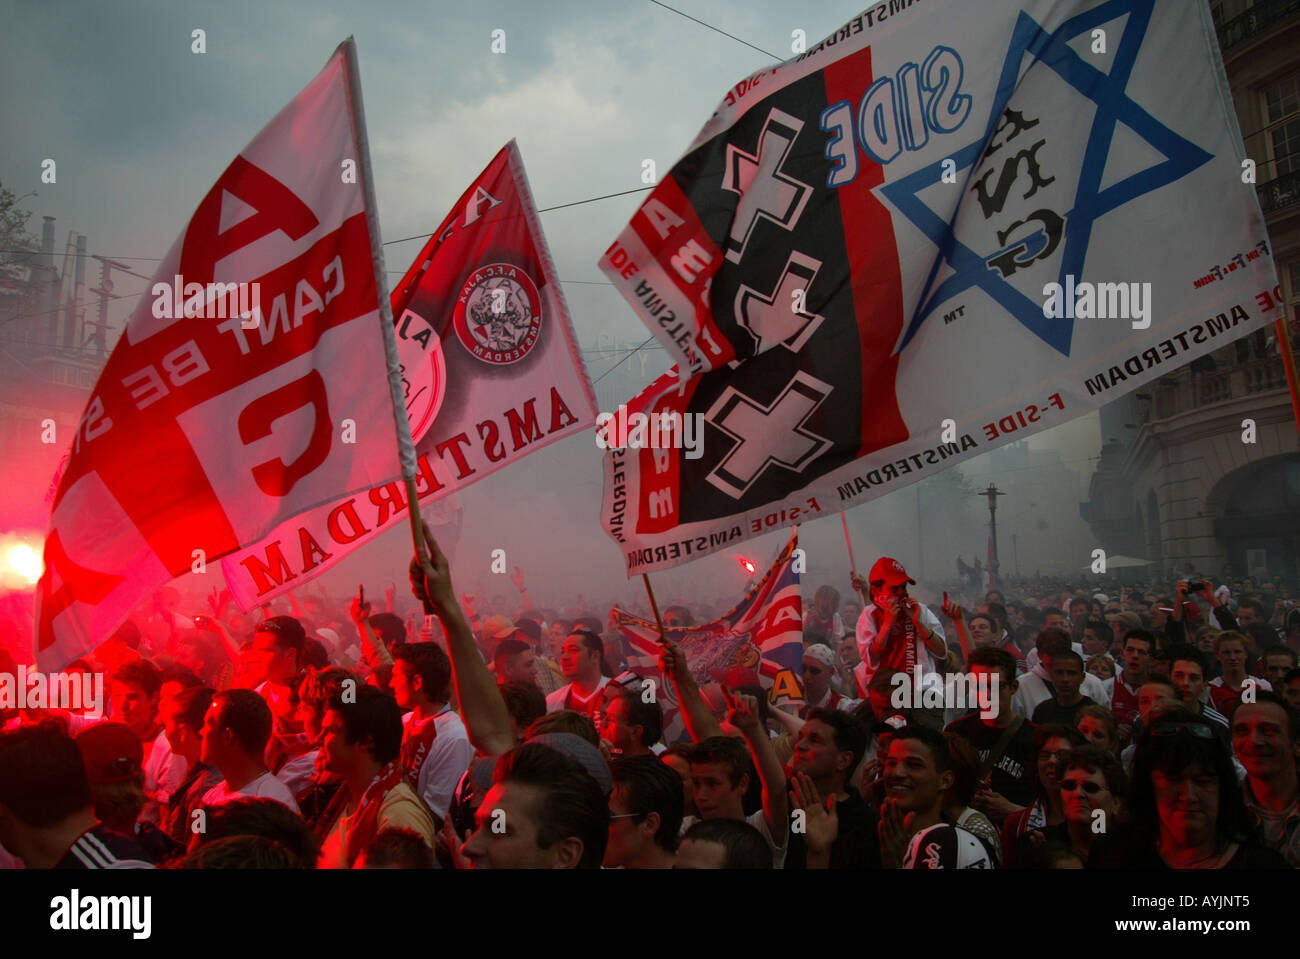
[211,624]
[861,587]
[517,577]
[696,714]
[952,610]
[742,712]
[958,616]
[467,602]
[487,721]
[448,840]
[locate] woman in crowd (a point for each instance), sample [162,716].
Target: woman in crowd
[1052,742]
[1093,788]
[1185,805]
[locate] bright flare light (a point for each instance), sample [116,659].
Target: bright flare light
[24,562]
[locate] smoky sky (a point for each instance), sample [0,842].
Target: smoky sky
[140,127]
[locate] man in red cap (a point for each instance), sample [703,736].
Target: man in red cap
[114,758]
[895,633]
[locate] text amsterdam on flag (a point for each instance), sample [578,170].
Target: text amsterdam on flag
[208,428]
[762,636]
[947,226]
[490,372]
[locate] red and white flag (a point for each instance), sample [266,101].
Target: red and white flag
[480,321]
[208,428]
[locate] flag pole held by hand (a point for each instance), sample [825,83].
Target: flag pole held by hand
[405,444]
[853,567]
[663,637]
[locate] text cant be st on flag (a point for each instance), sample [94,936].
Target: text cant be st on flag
[206,430]
[947,226]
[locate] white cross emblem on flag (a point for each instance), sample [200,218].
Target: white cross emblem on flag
[764,190]
[767,435]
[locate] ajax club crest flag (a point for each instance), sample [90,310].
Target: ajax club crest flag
[223,408]
[946,226]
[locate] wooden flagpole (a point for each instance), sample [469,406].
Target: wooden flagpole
[405,445]
[663,637]
[853,567]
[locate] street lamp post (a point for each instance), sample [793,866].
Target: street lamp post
[992,493]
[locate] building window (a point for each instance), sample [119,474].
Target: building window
[1282,109]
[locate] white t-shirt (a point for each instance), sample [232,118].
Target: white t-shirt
[264,786]
[295,773]
[1034,690]
[449,756]
[163,772]
[555,701]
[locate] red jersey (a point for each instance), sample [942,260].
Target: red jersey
[1224,699]
[900,656]
[1124,702]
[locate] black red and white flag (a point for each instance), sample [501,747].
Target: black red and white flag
[947,226]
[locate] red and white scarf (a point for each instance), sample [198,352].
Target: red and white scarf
[416,743]
[365,821]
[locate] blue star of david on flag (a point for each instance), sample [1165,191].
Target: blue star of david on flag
[1109,93]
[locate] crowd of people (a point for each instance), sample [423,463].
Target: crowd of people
[1132,728]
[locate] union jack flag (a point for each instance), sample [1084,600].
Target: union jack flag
[762,635]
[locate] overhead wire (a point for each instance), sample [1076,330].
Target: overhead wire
[423,236]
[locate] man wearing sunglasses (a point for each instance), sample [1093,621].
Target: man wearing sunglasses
[818,671]
[1093,786]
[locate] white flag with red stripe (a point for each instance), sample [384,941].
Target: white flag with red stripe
[208,428]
